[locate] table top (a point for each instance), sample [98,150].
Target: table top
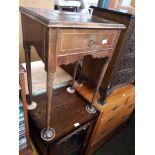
[55,18]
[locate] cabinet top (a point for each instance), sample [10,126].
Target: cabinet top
[55,18]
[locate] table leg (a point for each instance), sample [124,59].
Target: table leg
[31,104]
[90,108]
[103,94]
[48,133]
[79,81]
[72,89]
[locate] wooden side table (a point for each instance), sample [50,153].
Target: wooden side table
[63,38]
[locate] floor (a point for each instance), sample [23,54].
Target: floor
[121,144]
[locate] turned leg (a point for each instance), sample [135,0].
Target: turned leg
[27,48]
[72,89]
[90,108]
[79,81]
[48,133]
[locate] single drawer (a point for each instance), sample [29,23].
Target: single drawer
[109,119]
[109,126]
[85,40]
[127,63]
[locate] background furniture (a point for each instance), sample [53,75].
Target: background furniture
[118,109]
[67,5]
[72,124]
[27,149]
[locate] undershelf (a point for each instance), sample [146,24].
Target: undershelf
[87,91]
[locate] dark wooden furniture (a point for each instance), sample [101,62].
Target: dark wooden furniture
[120,105]
[27,150]
[63,38]
[121,69]
[72,123]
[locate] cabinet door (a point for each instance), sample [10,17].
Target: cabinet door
[72,143]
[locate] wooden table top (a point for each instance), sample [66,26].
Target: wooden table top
[55,18]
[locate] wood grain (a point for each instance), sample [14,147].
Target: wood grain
[67,19]
[118,108]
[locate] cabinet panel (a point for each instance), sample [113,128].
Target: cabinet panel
[75,143]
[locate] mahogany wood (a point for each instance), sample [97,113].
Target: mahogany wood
[47,31]
[54,18]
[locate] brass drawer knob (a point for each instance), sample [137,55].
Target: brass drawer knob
[92,41]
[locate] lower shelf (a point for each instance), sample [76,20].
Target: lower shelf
[87,91]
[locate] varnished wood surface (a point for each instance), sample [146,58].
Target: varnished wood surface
[80,40]
[67,109]
[67,19]
[64,50]
[86,91]
[43,29]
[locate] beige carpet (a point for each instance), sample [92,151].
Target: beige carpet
[61,78]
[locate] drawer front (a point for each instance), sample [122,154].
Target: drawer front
[123,77]
[127,63]
[83,40]
[109,120]
[109,126]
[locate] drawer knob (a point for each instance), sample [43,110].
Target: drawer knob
[92,41]
[104,41]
